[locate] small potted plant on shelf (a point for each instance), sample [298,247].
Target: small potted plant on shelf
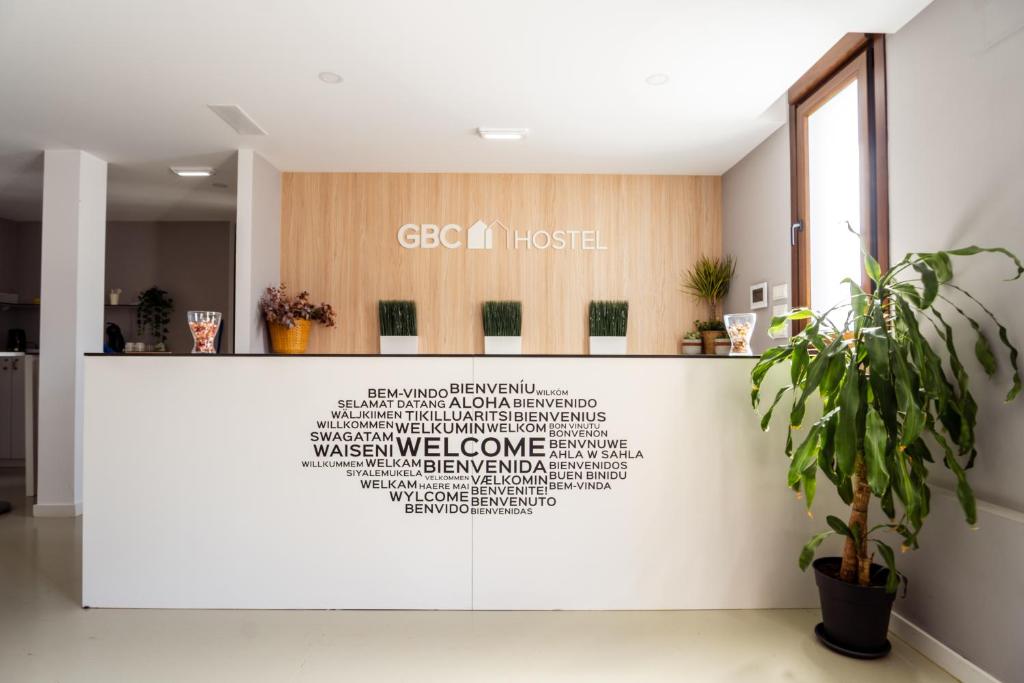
[608,327]
[503,327]
[154,315]
[289,318]
[722,346]
[708,280]
[692,345]
[895,402]
[398,328]
[710,331]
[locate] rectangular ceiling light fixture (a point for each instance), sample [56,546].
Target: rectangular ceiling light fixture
[192,171]
[502,133]
[233,115]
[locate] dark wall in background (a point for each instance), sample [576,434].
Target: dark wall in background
[193,261]
[19,274]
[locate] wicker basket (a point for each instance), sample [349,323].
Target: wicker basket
[290,340]
[709,337]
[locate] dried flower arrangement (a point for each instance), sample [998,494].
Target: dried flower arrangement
[281,309]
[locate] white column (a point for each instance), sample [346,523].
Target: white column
[257,246]
[71,318]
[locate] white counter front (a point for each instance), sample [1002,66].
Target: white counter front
[434,483]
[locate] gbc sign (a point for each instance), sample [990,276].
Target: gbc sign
[428,236]
[480,235]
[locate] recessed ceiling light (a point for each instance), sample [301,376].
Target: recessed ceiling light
[192,171]
[502,133]
[657,79]
[330,77]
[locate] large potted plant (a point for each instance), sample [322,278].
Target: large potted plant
[289,318]
[607,322]
[895,402]
[708,280]
[154,315]
[398,328]
[503,328]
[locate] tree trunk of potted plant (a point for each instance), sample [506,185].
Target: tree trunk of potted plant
[894,406]
[856,563]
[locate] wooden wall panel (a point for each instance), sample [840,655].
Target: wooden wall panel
[339,240]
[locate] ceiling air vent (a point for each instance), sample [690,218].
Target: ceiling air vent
[236,118]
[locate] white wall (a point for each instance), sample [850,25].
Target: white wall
[71,317]
[956,161]
[755,227]
[257,246]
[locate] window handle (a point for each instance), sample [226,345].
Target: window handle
[793,230]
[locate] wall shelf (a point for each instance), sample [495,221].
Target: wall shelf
[35,307]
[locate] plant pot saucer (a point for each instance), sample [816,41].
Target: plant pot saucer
[819,631]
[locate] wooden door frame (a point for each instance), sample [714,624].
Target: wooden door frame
[856,56]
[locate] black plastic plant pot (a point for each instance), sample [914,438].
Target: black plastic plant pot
[855,619]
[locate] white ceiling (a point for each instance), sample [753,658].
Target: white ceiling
[131,81]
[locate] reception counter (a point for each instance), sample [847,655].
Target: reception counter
[434,482]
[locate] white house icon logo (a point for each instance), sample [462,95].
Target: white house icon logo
[481,235]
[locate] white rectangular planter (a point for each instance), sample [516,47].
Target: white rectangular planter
[503,346]
[607,346]
[399,346]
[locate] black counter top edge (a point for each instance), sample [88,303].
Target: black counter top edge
[378,355]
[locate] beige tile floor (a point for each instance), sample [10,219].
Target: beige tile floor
[46,636]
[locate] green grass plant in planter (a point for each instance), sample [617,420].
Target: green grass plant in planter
[503,325]
[607,324]
[398,327]
[708,280]
[692,344]
[896,404]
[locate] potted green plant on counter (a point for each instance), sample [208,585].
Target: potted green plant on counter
[711,332]
[708,280]
[895,402]
[503,328]
[154,315]
[608,327]
[398,328]
[692,344]
[289,318]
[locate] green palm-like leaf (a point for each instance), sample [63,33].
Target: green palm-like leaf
[891,387]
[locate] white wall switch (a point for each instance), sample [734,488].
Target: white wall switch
[777,310]
[780,291]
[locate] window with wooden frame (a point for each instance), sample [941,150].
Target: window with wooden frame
[838,171]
